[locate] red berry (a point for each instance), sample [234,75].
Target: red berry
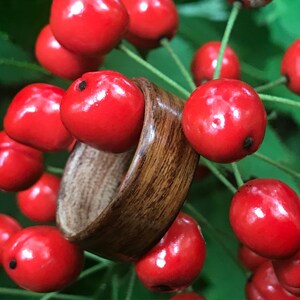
[205,61]
[60,61]
[265,216]
[263,285]
[252,3]
[38,203]
[150,21]
[290,66]
[88,26]
[20,166]
[175,262]
[187,296]
[33,118]
[8,227]
[249,259]
[38,258]
[224,120]
[104,110]
[288,273]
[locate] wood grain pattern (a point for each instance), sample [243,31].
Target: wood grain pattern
[123,217]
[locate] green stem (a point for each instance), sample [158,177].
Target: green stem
[131,285]
[218,174]
[269,85]
[278,165]
[279,100]
[166,44]
[23,65]
[237,175]
[96,258]
[253,72]
[115,287]
[154,70]
[232,17]
[54,170]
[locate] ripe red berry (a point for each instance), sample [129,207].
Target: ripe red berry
[187,296]
[290,66]
[264,285]
[38,203]
[105,110]
[205,60]
[288,273]
[39,259]
[224,120]
[8,227]
[60,61]
[88,26]
[175,262]
[33,118]
[252,3]
[249,259]
[20,166]
[150,21]
[265,216]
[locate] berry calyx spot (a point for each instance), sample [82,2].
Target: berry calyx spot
[82,85]
[12,264]
[248,142]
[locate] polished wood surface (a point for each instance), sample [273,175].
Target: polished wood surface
[120,205]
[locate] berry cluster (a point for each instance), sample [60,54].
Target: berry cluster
[223,119]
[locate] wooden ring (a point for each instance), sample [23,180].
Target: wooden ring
[120,205]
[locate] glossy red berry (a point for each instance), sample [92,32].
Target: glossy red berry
[88,26]
[38,203]
[252,3]
[8,227]
[288,273]
[150,21]
[290,66]
[39,259]
[175,262]
[187,296]
[20,166]
[33,118]
[265,216]
[205,60]
[249,259]
[224,120]
[105,110]
[60,61]
[264,285]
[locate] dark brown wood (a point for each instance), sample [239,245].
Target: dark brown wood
[123,217]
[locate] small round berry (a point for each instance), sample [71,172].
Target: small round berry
[288,273]
[187,296]
[20,166]
[264,285]
[176,261]
[39,259]
[224,120]
[205,60]
[249,259]
[150,21]
[38,203]
[8,227]
[105,110]
[290,66]
[60,61]
[88,26]
[252,3]
[265,216]
[33,118]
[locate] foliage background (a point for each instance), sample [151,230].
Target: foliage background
[260,38]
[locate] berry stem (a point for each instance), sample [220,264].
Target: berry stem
[131,285]
[278,165]
[115,287]
[54,170]
[237,174]
[232,17]
[166,44]
[218,174]
[96,257]
[154,70]
[281,100]
[269,85]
